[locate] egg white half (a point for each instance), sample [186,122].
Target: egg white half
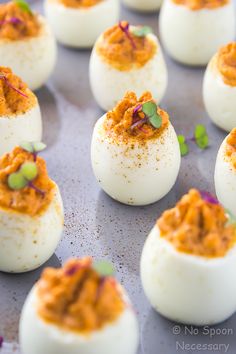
[193,37]
[186,288]
[109,84]
[32,59]
[132,173]
[81,27]
[21,127]
[225,180]
[219,98]
[143,5]
[38,336]
[26,242]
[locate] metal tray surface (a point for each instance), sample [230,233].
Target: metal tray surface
[99,226]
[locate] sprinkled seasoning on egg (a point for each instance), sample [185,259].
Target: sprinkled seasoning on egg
[135,151]
[219,87]
[127,58]
[187,262]
[193,30]
[79,307]
[78,23]
[20,117]
[31,211]
[26,33]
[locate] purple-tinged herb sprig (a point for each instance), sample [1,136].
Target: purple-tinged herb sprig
[142,31]
[208,197]
[126,30]
[12,20]
[149,110]
[28,171]
[33,147]
[1,341]
[200,138]
[7,82]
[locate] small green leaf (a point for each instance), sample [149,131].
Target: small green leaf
[155,120]
[184,149]
[104,268]
[231,217]
[200,131]
[149,108]
[29,170]
[16,181]
[23,5]
[39,146]
[27,146]
[142,31]
[181,139]
[202,142]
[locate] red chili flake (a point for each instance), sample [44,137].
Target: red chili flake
[74,268]
[3,77]
[126,31]
[209,198]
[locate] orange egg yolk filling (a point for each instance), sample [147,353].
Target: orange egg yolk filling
[226,62]
[201,4]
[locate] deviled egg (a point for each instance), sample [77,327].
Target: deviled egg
[126,58]
[78,308]
[188,262]
[225,173]
[135,152]
[20,117]
[219,88]
[27,44]
[78,23]
[193,30]
[31,210]
[143,5]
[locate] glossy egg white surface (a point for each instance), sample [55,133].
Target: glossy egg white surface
[32,59]
[21,127]
[185,288]
[132,173]
[26,242]
[109,84]
[38,336]
[143,5]
[192,37]
[225,180]
[219,98]
[80,27]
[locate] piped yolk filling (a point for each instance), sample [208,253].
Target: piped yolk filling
[125,52]
[26,200]
[231,147]
[80,3]
[77,298]
[226,62]
[15,97]
[16,24]
[119,121]
[197,227]
[201,4]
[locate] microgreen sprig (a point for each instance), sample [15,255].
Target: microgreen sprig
[200,137]
[12,20]
[142,31]
[1,341]
[104,268]
[126,31]
[33,147]
[7,82]
[149,109]
[23,5]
